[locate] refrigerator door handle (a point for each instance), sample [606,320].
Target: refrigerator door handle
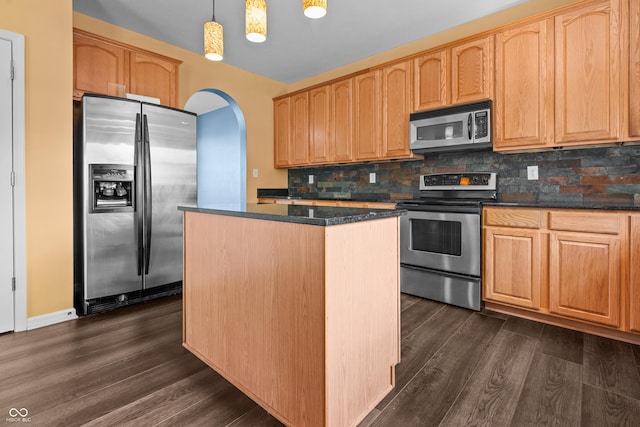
[137,158]
[147,194]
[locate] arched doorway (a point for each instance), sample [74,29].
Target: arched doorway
[221,147]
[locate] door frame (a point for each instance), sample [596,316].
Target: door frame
[19,190]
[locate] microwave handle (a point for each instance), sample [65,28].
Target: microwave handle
[470,125]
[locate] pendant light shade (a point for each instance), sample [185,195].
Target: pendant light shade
[213,39]
[256,20]
[314,9]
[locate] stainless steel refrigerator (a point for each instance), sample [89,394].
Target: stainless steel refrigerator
[134,163]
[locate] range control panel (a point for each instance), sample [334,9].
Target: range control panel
[458,181]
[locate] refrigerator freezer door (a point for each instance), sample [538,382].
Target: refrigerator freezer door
[110,244]
[172,156]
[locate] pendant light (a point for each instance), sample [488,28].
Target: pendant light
[314,9]
[256,20]
[213,38]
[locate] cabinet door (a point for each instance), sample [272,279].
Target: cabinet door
[634,276]
[319,110]
[584,276]
[513,266]
[342,121]
[154,76]
[523,108]
[367,114]
[472,71]
[282,132]
[396,105]
[299,154]
[634,72]
[431,80]
[587,62]
[98,67]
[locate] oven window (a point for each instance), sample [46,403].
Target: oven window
[442,237]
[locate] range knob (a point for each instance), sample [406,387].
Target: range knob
[475,179]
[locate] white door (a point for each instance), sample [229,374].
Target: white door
[6,190]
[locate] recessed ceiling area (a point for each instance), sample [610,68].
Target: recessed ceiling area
[296,47]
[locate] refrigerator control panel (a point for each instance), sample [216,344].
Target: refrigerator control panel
[113,188]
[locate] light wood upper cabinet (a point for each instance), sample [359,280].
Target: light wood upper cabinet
[472,71]
[523,107]
[587,69]
[456,75]
[431,80]
[319,111]
[98,67]
[111,68]
[367,113]
[585,267]
[341,135]
[154,76]
[634,274]
[634,69]
[282,131]
[396,107]
[299,154]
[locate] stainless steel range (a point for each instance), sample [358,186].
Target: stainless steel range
[440,238]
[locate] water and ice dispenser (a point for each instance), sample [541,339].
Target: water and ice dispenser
[113,188]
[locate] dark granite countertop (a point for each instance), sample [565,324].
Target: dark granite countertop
[569,204]
[312,215]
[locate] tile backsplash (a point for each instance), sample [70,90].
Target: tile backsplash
[609,176]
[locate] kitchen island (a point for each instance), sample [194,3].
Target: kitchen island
[297,306]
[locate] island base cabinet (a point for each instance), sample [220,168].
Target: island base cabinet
[303,319]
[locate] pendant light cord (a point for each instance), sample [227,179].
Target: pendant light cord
[213,13]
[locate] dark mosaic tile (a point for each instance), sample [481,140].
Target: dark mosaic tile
[599,174]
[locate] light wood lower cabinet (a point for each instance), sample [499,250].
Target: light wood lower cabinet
[584,276]
[634,274]
[513,266]
[577,268]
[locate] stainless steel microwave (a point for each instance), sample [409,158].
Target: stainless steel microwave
[461,127]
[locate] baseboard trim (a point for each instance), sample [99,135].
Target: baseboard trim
[51,318]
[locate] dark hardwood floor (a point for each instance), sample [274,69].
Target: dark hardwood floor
[459,368]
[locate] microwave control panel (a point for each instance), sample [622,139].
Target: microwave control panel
[482,124]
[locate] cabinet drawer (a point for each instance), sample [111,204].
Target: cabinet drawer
[586,222]
[518,217]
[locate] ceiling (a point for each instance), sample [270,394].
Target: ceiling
[296,47]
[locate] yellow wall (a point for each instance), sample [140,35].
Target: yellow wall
[46,26]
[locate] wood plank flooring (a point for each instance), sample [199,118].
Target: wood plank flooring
[459,368]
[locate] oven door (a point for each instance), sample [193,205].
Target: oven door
[443,241]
